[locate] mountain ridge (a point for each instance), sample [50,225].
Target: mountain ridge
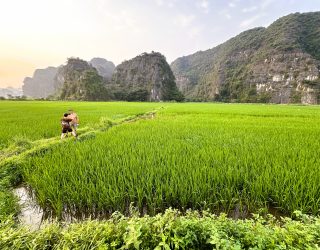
[46,82]
[277,64]
[258,65]
[146,77]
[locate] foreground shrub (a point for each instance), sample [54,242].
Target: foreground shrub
[170,230]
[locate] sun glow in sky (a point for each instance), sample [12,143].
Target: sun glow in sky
[42,33]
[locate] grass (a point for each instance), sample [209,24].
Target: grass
[222,157]
[34,120]
[22,139]
[210,157]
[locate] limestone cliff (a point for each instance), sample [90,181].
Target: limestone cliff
[41,84]
[47,82]
[104,67]
[78,80]
[278,64]
[145,77]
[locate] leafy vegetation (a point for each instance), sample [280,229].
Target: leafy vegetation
[82,82]
[145,77]
[312,83]
[172,230]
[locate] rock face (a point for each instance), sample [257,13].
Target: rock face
[41,84]
[46,82]
[104,67]
[278,64]
[145,77]
[78,80]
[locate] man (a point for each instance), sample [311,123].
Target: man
[74,120]
[66,127]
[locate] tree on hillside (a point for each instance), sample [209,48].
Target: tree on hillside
[81,81]
[92,87]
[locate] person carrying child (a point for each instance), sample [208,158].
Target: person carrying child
[74,120]
[66,127]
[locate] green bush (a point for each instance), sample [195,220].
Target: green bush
[170,230]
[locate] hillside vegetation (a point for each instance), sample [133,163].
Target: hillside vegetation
[276,64]
[147,77]
[81,82]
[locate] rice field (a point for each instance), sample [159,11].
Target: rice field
[236,158]
[34,120]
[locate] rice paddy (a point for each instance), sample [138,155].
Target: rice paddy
[221,157]
[34,120]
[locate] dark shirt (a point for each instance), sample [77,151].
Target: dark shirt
[65,123]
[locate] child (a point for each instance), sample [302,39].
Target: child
[66,127]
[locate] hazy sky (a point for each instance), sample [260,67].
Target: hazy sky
[41,33]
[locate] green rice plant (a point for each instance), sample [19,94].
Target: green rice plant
[34,120]
[20,135]
[234,158]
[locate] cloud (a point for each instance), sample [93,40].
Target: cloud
[184,20]
[249,9]
[167,3]
[159,2]
[204,5]
[226,14]
[194,31]
[231,5]
[246,23]
[124,21]
[171,4]
[266,3]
